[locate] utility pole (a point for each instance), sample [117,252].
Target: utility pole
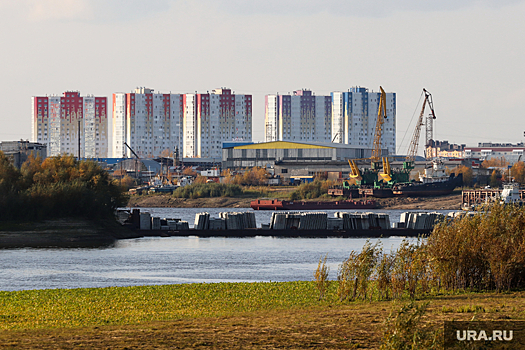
[79,139]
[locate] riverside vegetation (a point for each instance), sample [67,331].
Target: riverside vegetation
[469,268]
[55,188]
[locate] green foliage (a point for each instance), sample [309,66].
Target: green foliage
[58,187]
[84,307]
[404,330]
[355,272]
[208,190]
[312,190]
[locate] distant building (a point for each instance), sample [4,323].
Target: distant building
[305,155]
[18,151]
[354,118]
[301,117]
[63,123]
[150,123]
[211,119]
[444,149]
[485,151]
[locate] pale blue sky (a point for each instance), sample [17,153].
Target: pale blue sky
[468,54]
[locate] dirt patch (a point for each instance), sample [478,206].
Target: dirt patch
[167,201]
[451,202]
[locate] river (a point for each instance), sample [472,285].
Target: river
[169,260]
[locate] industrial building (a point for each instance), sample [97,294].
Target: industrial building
[485,151]
[71,124]
[18,151]
[294,158]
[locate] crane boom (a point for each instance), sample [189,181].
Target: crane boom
[132,151]
[412,150]
[381,116]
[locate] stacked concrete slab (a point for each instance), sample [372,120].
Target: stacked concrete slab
[238,220]
[420,220]
[334,224]
[363,221]
[145,221]
[202,221]
[313,221]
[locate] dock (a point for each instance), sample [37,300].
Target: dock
[473,197]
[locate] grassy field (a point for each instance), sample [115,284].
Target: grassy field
[222,315]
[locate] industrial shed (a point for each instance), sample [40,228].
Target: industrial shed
[308,158]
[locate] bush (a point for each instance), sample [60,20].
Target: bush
[312,190]
[207,190]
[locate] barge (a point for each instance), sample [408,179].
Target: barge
[277,204]
[286,225]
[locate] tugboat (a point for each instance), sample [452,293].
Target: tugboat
[434,182]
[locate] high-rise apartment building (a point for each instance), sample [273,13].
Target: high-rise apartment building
[150,123]
[71,124]
[298,117]
[354,117]
[211,119]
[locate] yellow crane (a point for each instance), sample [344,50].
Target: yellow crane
[376,151]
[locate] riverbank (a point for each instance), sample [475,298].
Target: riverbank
[67,233]
[223,316]
[452,202]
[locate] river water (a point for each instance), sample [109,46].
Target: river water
[169,260]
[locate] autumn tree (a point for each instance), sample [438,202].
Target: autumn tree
[495,162]
[256,176]
[518,172]
[189,172]
[494,181]
[468,176]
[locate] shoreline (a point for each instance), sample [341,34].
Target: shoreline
[85,233]
[452,202]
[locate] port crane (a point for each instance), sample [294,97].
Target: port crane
[376,151]
[412,150]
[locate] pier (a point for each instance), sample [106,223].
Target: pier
[472,197]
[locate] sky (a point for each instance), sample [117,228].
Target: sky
[469,54]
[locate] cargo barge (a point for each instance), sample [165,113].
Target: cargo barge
[277,204]
[287,225]
[290,233]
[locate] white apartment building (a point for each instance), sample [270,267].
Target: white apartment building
[298,117]
[354,118]
[63,123]
[211,119]
[150,123]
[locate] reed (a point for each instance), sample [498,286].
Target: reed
[321,277]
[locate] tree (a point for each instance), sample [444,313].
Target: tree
[494,181]
[468,176]
[495,162]
[518,172]
[189,172]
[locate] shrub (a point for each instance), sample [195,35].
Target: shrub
[404,330]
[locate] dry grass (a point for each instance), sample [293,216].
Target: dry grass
[357,325]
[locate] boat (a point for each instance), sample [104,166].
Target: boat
[277,204]
[434,182]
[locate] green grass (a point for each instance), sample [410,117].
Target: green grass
[128,305]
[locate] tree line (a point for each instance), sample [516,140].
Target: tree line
[59,186]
